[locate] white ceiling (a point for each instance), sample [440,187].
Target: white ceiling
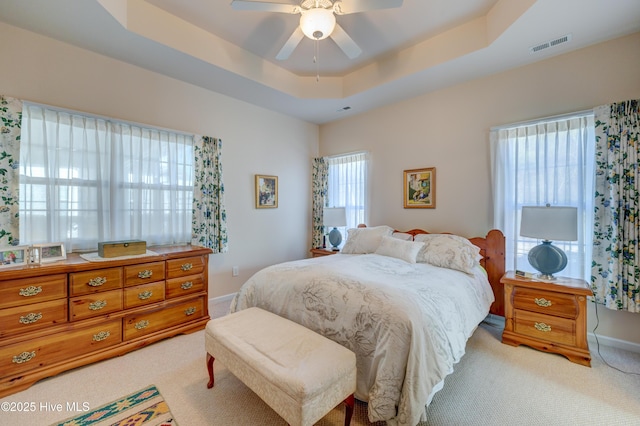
[420,47]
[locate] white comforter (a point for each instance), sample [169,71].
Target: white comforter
[407,323]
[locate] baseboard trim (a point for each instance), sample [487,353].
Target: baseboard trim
[219,299]
[613,342]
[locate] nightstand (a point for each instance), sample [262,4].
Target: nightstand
[549,316]
[318,252]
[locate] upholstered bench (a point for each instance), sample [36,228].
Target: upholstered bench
[300,374]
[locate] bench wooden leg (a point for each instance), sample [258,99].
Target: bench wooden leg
[349,403]
[210,360]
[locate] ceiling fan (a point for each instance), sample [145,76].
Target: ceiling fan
[318,20]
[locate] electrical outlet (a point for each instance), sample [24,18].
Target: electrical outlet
[235,271]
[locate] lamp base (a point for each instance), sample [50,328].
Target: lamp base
[547,259]
[335,238]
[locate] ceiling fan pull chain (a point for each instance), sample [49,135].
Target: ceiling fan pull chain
[317,62]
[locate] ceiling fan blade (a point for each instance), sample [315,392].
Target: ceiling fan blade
[290,45]
[346,43]
[345,7]
[265,7]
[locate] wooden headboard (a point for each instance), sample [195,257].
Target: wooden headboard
[492,248]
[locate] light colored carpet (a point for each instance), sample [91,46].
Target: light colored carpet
[494,384]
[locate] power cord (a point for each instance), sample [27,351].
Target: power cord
[598,346]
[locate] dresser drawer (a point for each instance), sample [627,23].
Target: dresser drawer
[144,273]
[545,327]
[185,266]
[94,305]
[24,356]
[22,319]
[185,285]
[32,290]
[545,302]
[94,281]
[143,294]
[139,325]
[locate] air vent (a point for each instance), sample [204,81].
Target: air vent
[550,43]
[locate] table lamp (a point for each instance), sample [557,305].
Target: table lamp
[549,224]
[334,218]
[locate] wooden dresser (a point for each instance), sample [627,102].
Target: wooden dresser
[75,312]
[549,316]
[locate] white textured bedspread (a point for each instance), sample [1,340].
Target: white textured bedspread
[408,324]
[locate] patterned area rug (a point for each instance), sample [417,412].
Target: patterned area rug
[143,408]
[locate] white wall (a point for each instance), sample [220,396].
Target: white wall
[255,140]
[449,130]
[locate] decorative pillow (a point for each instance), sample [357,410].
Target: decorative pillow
[402,236]
[365,240]
[404,250]
[448,251]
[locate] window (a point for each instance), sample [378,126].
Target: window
[85,179]
[548,161]
[348,186]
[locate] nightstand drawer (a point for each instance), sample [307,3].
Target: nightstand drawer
[545,327]
[545,302]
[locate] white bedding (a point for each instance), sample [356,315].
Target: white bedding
[408,323]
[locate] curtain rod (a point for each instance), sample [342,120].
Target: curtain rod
[539,120]
[346,154]
[106,118]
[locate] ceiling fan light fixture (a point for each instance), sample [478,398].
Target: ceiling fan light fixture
[317,23]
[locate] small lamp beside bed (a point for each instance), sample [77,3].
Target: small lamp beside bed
[549,223]
[334,218]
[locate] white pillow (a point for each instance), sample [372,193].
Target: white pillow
[448,251]
[365,240]
[404,250]
[402,236]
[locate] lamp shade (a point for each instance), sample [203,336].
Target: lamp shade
[335,217]
[317,23]
[549,223]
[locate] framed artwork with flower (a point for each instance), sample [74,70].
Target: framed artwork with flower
[420,188]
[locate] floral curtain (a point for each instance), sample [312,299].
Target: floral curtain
[616,251]
[209,224]
[320,184]
[11,116]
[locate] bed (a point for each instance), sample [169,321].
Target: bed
[394,298]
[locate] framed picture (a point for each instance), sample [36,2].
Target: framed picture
[14,256]
[266,192]
[50,252]
[420,188]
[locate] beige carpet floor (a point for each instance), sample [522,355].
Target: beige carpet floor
[494,384]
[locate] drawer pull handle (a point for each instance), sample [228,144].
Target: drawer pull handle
[31,318]
[30,291]
[543,302]
[141,325]
[145,274]
[97,305]
[186,285]
[24,357]
[97,282]
[540,326]
[186,266]
[145,295]
[190,311]
[101,336]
